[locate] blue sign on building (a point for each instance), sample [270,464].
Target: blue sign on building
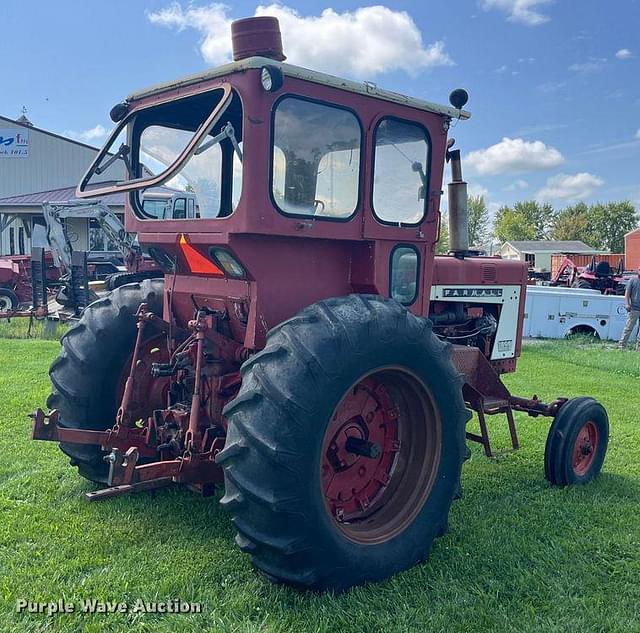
[14,143]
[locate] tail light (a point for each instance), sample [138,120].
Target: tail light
[196,261]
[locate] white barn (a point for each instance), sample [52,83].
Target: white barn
[537,253]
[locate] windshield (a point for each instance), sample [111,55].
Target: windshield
[183,151]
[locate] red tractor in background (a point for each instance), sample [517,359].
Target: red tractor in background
[15,280]
[299,348]
[598,275]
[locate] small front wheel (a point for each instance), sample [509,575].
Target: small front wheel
[577,442]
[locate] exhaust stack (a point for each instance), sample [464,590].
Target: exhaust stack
[458,212]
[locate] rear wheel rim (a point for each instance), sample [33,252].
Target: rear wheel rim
[375,485]
[585,448]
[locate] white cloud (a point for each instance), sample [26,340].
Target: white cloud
[594,64]
[212,22]
[540,128]
[97,133]
[364,42]
[516,185]
[550,87]
[475,189]
[638,134]
[569,187]
[501,69]
[512,155]
[624,53]
[522,11]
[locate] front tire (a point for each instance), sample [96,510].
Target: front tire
[360,370]
[577,442]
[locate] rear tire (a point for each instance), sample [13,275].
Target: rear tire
[116,280]
[280,433]
[87,373]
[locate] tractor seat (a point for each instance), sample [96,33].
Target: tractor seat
[603,269]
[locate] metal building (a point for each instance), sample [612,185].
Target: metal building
[39,166]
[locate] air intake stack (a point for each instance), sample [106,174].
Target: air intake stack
[259,37]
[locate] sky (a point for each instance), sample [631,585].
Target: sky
[554,84]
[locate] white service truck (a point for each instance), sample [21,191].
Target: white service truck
[554,312]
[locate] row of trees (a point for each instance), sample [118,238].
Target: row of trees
[600,225]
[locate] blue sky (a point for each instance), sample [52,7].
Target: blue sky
[558,79]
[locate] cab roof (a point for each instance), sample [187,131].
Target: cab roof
[289,70]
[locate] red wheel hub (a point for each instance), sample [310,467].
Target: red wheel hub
[585,448]
[354,473]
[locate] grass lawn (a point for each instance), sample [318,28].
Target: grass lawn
[519,555]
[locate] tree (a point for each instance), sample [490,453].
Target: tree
[609,222]
[442,247]
[528,220]
[573,223]
[601,225]
[478,221]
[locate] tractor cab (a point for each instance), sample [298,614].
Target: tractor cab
[296,175]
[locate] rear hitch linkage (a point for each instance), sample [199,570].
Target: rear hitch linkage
[168,461]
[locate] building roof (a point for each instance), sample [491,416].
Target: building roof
[66,194]
[29,126]
[54,195]
[367,88]
[551,246]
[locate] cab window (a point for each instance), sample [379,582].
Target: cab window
[400,172]
[315,165]
[213,173]
[180,209]
[404,275]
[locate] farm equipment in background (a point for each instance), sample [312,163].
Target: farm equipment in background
[136,266]
[42,275]
[305,347]
[16,288]
[15,280]
[598,275]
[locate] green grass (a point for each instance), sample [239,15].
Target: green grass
[519,555]
[19,327]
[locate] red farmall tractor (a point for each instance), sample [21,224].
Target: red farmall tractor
[305,347]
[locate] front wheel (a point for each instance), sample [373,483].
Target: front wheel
[345,444]
[577,442]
